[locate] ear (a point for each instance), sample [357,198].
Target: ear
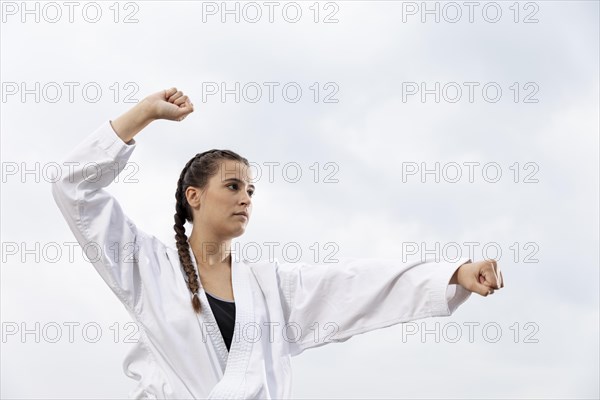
[192,195]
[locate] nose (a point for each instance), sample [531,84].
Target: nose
[246,199]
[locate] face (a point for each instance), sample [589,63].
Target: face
[228,192]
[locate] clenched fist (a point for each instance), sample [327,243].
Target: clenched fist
[482,277]
[170,104]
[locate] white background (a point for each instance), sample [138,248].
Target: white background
[370,133]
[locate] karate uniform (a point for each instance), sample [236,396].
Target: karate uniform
[281,309]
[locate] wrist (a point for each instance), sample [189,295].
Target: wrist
[133,121]
[454,279]
[146,111]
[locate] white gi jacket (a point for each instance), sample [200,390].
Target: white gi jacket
[282,309]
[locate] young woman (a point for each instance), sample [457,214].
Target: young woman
[215,326]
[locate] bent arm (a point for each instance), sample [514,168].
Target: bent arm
[170,104]
[109,238]
[132,122]
[333,302]
[94,216]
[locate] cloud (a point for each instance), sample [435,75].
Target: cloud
[370,211]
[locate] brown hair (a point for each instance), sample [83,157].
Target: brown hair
[196,173]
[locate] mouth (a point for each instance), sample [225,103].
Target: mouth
[242,214]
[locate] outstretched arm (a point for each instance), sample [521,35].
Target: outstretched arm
[333,302]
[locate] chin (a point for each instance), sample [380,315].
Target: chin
[238,232]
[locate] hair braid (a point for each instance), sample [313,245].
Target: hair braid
[195,173]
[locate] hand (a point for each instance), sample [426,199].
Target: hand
[482,277]
[169,104]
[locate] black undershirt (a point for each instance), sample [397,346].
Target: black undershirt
[224,312]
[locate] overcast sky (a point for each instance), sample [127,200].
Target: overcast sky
[531,70]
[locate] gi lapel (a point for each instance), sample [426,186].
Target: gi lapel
[244,334]
[208,323]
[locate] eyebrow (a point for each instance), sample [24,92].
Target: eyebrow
[239,181]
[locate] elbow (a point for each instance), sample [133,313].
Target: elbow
[57,186]
[63,191]
[58,193]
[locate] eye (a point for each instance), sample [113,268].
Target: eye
[235,185]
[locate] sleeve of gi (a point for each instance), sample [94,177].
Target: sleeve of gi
[110,240]
[326,303]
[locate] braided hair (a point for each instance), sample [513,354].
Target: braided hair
[196,173]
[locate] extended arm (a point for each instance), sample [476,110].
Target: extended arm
[333,302]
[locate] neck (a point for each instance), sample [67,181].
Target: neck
[210,251]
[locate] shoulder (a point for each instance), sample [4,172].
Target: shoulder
[171,251]
[156,248]
[261,266]
[266,276]
[265,271]
[151,240]
[259,263]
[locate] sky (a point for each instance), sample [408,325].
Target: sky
[499,100]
